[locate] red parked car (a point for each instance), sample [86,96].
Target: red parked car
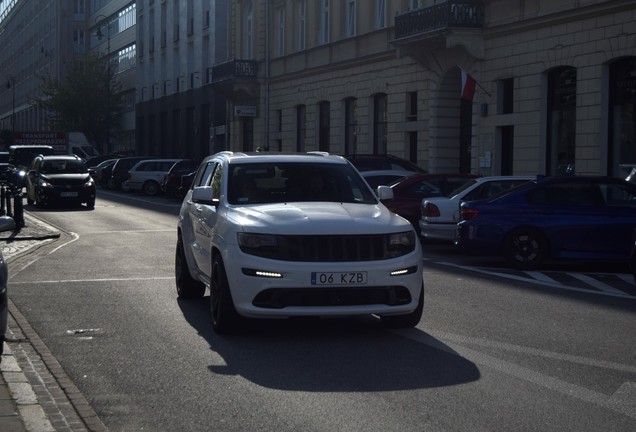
[409,192]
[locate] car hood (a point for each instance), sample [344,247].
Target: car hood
[317,218]
[72,179]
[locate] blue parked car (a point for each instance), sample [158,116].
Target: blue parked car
[578,218]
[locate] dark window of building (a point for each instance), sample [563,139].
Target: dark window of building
[561,121]
[411,106]
[622,115]
[324,123]
[507,134]
[300,128]
[350,137]
[412,146]
[505,96]
[379,124]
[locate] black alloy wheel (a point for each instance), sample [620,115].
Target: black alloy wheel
[224,317]
[525,248]
[187,286]
[151,188]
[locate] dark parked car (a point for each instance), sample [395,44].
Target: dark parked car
[96,171]
[59,179]
[120,170]
[370,162]
[4,168]
[632,256]
[172,182]
[20,159]
[186,183]
[409,192]
[576,218]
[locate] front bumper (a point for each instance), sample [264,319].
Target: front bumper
[285,288]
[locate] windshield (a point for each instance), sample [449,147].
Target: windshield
[258,183]
[63,167]
[462,188]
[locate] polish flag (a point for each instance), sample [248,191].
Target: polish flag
[468,86]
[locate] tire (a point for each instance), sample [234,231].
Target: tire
[525,249]
[90,204]
[29,201]
[151,188]
[187,286]
[224,317]
[408,320]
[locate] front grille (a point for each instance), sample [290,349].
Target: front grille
[277,298]
[332,248]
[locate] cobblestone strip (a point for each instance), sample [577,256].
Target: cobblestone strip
[64,405]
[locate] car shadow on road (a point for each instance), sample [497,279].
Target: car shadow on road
[330,355]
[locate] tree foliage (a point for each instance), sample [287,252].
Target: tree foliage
[88,99]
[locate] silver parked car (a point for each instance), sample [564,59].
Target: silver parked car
[441,214]
[148,175]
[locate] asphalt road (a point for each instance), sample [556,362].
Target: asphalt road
[494,351]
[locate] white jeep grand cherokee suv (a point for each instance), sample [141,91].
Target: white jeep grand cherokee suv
[283,235]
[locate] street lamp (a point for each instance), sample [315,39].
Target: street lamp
[100,21]
[11,85]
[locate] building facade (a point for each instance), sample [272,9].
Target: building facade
[39,38]
[111,31]
[178,112]
[554,87]
[34,44]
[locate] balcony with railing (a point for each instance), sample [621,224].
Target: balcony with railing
[234,77]
[440,24]
[451,14]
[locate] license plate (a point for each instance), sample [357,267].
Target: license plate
[339,278]
[68,194]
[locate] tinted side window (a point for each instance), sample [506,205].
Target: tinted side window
[202,176]
[215,182]
[618,195]
[572,194]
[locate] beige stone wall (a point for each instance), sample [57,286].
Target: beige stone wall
[585,39]
[522,40]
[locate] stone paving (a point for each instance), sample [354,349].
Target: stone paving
[36,395]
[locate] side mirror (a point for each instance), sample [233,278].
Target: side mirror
[385,193]
[204,195]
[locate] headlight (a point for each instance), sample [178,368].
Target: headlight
[43,183]
[256,241]
[401,243]
[406,238]
[89,183]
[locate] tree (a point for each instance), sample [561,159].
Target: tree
[88,99]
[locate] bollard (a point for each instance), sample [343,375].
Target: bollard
[8,199]
[3,194]
[18,216]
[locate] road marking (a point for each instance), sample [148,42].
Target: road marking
[131,279]
[621,401]
[595,283]
[614,293]
[540,276]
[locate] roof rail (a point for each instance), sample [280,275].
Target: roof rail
[319,153]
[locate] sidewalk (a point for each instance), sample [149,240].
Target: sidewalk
[34,398]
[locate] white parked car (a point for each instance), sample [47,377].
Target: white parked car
[441,214]
[277,236]
[148,175]
[384,177]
